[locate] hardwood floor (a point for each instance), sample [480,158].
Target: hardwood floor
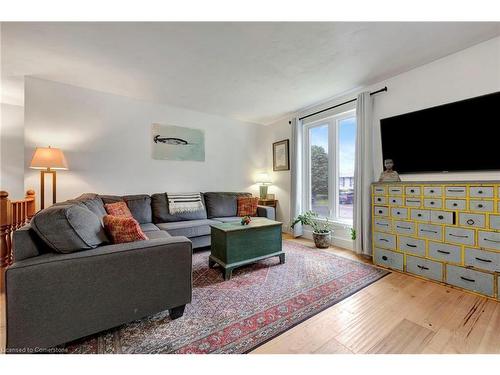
[397,314]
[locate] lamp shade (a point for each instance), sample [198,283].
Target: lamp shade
[263,178]
[48,157]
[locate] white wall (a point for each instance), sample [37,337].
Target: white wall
[11,150]
[468,73]
[106,140]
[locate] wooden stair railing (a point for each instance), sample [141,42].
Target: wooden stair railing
[13,215]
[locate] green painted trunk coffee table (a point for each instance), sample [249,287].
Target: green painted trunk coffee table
[235,245]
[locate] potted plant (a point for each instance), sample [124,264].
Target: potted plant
[321,229]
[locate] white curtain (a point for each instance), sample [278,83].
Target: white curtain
[296,175]
[363,174]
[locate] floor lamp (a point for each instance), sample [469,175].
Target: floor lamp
[49,160]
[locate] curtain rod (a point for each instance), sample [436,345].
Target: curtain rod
[338,105]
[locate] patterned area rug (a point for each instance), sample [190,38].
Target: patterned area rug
[260,302]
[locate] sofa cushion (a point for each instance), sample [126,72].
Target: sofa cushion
[161,214]
[110,198]
[140,206]
[67,228]
[152,235]
[191,228]
[95,205]
[119,209]
[149,227]
[123,229]
[222,204]
[228,219]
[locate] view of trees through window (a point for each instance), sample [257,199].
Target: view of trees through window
[339,135]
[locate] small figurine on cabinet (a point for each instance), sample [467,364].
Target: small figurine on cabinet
[389,175]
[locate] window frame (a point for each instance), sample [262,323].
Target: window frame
[333,160]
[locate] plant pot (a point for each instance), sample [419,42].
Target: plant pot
[322,240]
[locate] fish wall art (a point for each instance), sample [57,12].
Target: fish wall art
[171,142]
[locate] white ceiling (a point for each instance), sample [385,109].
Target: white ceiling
[255,72]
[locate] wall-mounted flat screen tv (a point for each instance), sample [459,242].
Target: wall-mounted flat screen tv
[459,136]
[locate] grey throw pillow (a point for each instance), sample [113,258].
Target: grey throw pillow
[67,228]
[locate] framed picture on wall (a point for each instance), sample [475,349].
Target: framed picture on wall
[281,157]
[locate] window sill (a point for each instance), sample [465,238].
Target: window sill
[339,222]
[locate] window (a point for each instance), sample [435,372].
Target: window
[329,151]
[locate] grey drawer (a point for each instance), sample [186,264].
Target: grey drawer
[380,189]
[476,281]
[495,222]
[455,204]
[433,203]
[379,199]
[395,190]
[381,211]
[413,190]
[445,252]
[489,240]
[400,213]
[482,259]
[384,240]
[442,217]
[425,268]
[420,215]
[430,231]
[481,191]
[404,227]
[455,191]
[472,220]
[382,225]
[479,205]
[459,235]
[396,201]
[388,259]
[411,245]
[413,202]
[433,191]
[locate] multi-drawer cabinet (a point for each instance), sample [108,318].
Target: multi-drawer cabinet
[442,231]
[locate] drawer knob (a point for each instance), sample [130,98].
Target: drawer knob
[432,191]
[384,258]
[432,202]
[480,192]
[422,267]
[412,190]
[393,201]
[380,211]
[440,217]
[483,260]
[399,213]
[443,252]
[455,204]
[470,222]
[419,215]
[480,206]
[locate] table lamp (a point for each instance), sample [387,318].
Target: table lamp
[265,181]
[49,160]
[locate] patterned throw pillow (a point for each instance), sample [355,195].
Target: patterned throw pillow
[123,229]
[118,209]
[247,206]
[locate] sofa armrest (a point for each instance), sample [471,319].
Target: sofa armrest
[55,298]
[267,212]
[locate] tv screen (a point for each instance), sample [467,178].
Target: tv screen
[459,136]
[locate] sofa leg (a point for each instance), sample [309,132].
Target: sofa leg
[177,312]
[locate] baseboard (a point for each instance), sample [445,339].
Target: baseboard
[345,243]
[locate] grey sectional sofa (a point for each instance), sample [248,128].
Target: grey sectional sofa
[68,282]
